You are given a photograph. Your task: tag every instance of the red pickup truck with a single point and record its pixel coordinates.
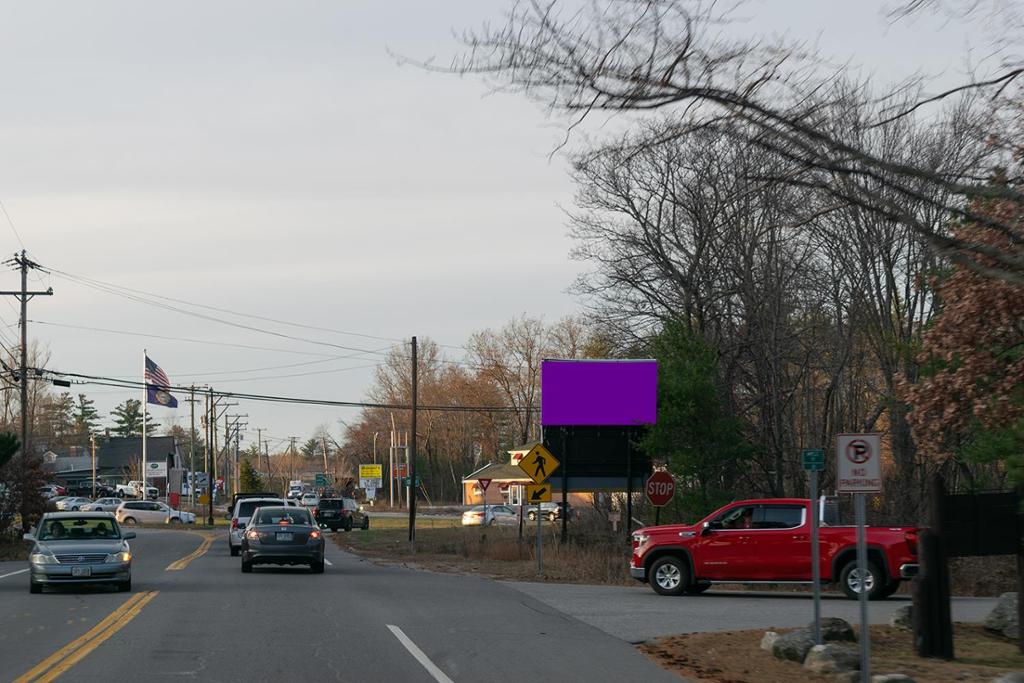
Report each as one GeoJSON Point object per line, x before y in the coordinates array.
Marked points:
{"type": "Point", "coordinates": [769, 541]}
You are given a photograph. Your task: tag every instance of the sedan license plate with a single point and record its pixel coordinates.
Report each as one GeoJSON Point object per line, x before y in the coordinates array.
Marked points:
{"type": "Point", "coordinates": [81, 571]}
{"type": "Point", "coordinates": [283, 536]}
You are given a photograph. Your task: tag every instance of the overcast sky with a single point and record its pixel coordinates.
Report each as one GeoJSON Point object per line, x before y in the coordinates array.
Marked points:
{"type": "Point", "coordinates": [272, 158]}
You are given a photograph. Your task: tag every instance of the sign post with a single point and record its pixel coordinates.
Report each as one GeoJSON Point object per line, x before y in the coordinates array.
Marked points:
{"type": "Point", "coordinates": [859, 471]}
{"type": "Point", "coordinates": [538, 464]}
{"type": "Point", "coordinates": [813, 462]}
{"type": "Point", "coordinates": [659, 489]}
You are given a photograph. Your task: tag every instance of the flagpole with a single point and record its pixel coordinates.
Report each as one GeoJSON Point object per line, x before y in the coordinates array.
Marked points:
{"type": "Point", "coordinates": [145, 400]}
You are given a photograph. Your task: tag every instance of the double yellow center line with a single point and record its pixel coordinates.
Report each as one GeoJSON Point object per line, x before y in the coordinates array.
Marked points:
{"type": "Point", "coordinates": [72, 653]}
{"type": "Point", "coordinates": [178, 565]}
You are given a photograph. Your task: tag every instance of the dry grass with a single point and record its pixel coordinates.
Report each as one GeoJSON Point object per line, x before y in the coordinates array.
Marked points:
{"type": "Point", "coordinates": [493, 551]}
{"type": "Point", "coordinates": [736, 657]}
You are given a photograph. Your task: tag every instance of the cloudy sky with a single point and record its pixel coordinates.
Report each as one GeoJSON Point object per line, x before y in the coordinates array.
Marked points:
{"type": "Point", "coordinates": [273, 158]}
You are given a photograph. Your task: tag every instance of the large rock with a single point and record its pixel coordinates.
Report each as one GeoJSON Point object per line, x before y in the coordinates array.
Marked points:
{"type": "Point", "coordinates": [834, 629]}
{"type": "Point", "coordinates": [831, 659]}
{"type": "Point", "coordinates": [891, 678]}
{"type": "Point", "coordinates": [1003, 617]}
{"type": "Point", "coordinates": [768, 640]}
{"type": "Point", "coordinates": [793, 646]}
{"type": "Point", "coordinates": [903, 618]}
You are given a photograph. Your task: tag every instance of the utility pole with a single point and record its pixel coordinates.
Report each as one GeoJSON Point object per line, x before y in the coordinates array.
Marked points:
{"type": "Point", "coordinates": [323, 443]}
{"type": "Point", "coordinates": [206, 456]}
{"type": "Point", "coordinates": [24, 264]}
{"type": "Point", "coordinates": [192, 449]}
{"type": "Point", "coordinates": [236, 426]}
{"type": "Point", "coordinates": [412, 457]}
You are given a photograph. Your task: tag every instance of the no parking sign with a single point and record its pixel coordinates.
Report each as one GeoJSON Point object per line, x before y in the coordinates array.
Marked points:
{"type": "Point", "coordinates": [859, 463]}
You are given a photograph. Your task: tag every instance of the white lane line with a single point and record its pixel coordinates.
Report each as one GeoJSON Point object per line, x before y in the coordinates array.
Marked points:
{"type": "Point", "coordinates": [431, 668]}
{"type": "Point", "coordinates": [20, 571]}
{"type": "Point", "coordinates": [328, 562]}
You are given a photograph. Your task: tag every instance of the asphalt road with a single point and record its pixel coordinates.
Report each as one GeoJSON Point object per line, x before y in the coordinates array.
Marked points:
{"type": "Point", "coordinates": [356, 622]}
{"type": "Point", "coordinates": [636, 613]}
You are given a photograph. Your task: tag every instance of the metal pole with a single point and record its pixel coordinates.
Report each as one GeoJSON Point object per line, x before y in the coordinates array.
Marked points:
{"type": "Point", "coordinates": [375, 447]}
{"type": "Point", "coordinates": [391, 470]}
{"type": "Point", "coordinates": [565, 488]}
{"type": "Point", "coordinates": [25, 450]}
{"type": "Point", "coordinates": [211, 456]}
{"type": "Point", "coordinates": [92, 441]}
{"type": "Point", "coordinates": [412, 456]}
{"type": "Point", "coordinates": [815, 557]}
{"type": "Point", "coordinates": [192, 450]}
{"type": "Point", "coordinates": [629, 487]}
{"type": "Point", "coordinates": [145, 417]}
{"type": "Point", "coordinates": [862, 594]}
{"type": "Point", "coordinates": [540, 558]}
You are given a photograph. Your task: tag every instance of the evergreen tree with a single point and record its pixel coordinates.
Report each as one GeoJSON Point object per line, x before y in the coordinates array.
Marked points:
{"type": "Point", "coordinates": [86, 418]}
{"type": "Point", "coordinates": [128, 419]}
{"type": "Point", "coordinates": [251, 481]}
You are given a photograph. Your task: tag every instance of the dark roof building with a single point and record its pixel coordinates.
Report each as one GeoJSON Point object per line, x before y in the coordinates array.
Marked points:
{"type": "Point", "coordinates": [114, 456]}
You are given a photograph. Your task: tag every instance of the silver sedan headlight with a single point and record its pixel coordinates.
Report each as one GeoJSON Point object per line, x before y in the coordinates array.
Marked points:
{"type": "Point", "coordinates": [42, 558]}
{"type": "Point", "coordinates": [123, 556]}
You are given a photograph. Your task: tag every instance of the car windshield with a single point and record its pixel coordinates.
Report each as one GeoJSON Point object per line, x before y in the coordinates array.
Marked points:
{"type": "Point", "coordinates": [247, 507]}
{"type": "Point", "coordinates": [283, 516]}
{"type": "Point", "coordinates": [78, 528]}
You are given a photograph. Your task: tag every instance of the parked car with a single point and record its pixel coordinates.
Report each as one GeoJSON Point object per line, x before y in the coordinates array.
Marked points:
{"type": "Point", "coordinates": [133, 489]}
{"type": "Point", "coordinates": [486, 515]}
{"type": "Point", "coordinates": [283, 535]}
{"type": "Point", "coordinates": [72, 503]}
{"type": "Point", "coordinates": [51, 490]}
{"type": "Point", "coordinates": [768, 540]}
{"type": "Point", "coordinates": [548, 511]}
{"type": "Point", "coordinates": [75, 548]}
{"type": "Point", "coordinates": [242, 512]}
{"type": "Point", "coordinates": [84, 488]}
{"type": "Point", "coordinates": [148, 512]}
{"type": "Point", "coordinates": [341, 513]}
{"type": "Point", "coordinates": [108, 504]}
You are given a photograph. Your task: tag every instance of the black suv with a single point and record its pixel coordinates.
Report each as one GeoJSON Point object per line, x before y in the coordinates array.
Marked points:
{"type": "Point", "coordinates": [84, 488]}
{"type": "Point", "coordinates": [340, 513]}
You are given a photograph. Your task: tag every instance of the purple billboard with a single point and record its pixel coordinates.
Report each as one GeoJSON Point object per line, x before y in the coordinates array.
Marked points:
{"type": "Point", "coordinates": [598, 392]}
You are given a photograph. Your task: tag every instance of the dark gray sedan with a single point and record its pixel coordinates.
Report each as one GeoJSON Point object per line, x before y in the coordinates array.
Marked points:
{"type": "Point", "coordinates": [79, 548]}
{"type": "Point", "coordinates": [283, 535]}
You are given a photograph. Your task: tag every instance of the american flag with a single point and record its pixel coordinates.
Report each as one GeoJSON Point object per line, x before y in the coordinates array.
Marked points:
{"type": "Point", "coordinates": [157, 385]}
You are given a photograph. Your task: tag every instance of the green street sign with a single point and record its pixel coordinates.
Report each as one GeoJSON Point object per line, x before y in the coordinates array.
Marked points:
{"type": "Point", "coordinates": [814, 459]}
{"type": "Point", "coordinates": [321, 480]}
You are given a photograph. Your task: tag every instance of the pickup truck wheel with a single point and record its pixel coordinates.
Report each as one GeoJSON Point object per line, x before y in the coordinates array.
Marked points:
{"type": "Point", "coordinates": [850, 581]}
{"type": "Point", "coordinates": [669, 576]}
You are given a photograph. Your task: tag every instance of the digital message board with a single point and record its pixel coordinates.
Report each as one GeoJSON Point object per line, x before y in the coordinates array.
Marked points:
{"type": "Point", "coordinates": [598, 392]}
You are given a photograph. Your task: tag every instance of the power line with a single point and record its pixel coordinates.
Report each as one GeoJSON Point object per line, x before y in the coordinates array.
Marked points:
{"type": "Point", "coordinates": [11, 223]}
{"type": "Point", "coordinates": [293, 400]}
{"type": "Point", "coordinates": [196, 341]}
{"type": "Point", "coordinates": [139, 296]}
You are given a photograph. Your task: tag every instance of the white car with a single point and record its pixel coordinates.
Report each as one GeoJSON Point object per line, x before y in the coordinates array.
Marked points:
{"type": "Point", "coordinates": [148, 512]}
{"type": "Point", "coordinates": [103, 505]}
{"type": "Point", "coordinates": [309, 500]}
{"type": "Point", "coordinates": [72, 503]}
{"type": "Point", "coordinates": [486, 515]}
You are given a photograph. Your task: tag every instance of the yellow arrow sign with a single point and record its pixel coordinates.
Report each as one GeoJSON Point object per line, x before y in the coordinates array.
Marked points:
{"type": "Point", "coordinates": [538, 493]}
{"type": "Point", "coordinates": [539, 464]}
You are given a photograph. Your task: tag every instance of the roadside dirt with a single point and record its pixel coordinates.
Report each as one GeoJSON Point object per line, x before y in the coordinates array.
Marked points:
{"type": "Point", "coordinates": [736, 657]}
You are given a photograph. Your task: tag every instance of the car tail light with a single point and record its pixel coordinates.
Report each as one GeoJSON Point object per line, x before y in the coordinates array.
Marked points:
{"type": "Point", "coordinates": [315, 511]}
{"type": "Point", "coordinates": [911, 537]}
{"type": "Point", "coordinates": [234, 523]}
{"type": "Point", "coordinates": [252, 535]}
{"type": "Point", "coordinates": [314, 534]}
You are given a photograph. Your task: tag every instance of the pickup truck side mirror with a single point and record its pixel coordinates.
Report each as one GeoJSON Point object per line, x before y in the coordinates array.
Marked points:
{"type": "Point", "coordinates": [708, 527]}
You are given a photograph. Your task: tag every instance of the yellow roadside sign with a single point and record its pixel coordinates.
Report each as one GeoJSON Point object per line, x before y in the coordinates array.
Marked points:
{"type": "Point", "coordinates": [538, 493]}
{"type": "Point", "coordinates": [539, 464]}
{"type": "Point", "coordinates": [371, 471]}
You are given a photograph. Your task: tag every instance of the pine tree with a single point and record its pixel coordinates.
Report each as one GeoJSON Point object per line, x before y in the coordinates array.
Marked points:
{"type": "Point", "coordinates": [86, 418]}
{"type": "Point", "coordinates": [251, 481]}
{"type": "Point", "coordinates": [128, 419]}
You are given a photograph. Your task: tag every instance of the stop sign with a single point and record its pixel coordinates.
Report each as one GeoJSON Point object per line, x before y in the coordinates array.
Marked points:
{"type": "Point", "coordinates": [660, 488]}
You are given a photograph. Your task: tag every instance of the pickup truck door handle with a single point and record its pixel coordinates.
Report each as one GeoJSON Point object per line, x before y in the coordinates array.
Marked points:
{"type": "Point", "coordinates": [800, 537]}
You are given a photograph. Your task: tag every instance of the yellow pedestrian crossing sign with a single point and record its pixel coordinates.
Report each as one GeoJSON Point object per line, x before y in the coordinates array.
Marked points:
{"type": "Point", "coordinates": [539, 464]}
{"type": "Point", "coordinates": [538, 493]}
